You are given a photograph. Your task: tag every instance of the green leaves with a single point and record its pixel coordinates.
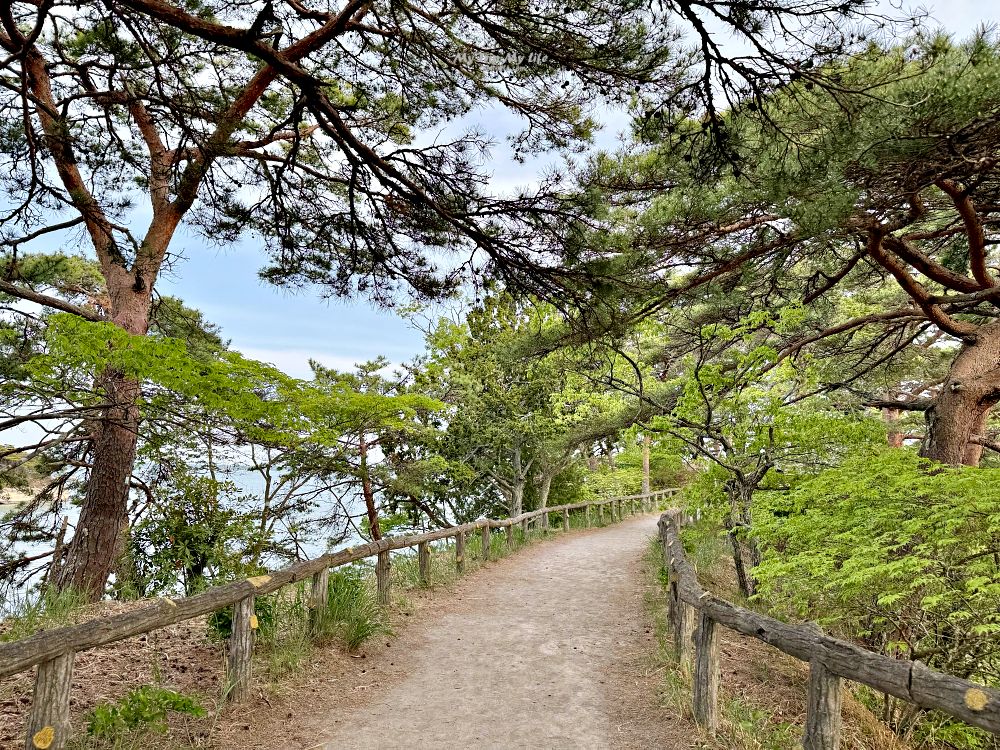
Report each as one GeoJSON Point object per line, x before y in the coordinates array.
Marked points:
{"type": "Point", "coordinates": [146, 707]}
{"type": "Point", "coordinates": [891, 545]}
{"type": "Point", "coordinates": [257, 396]}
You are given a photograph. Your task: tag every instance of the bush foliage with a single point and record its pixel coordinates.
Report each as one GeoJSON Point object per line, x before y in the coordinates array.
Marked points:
{"type": "Point", "coordinates": [900, 553]}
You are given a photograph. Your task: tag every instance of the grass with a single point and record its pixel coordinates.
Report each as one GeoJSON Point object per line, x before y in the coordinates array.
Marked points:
{"type": "Point", "coordinates": [144, 710]}
{"type": "Point", "coordinates": [744, 726]}
{"type": "Point", "coordinates": [351, 617]}
{"type": "Point", "coordinates": [352, 613]}
{"type": "Point", "coordinates": [747, 727]}
{"type": "Point", "coordinates": [43, 610]}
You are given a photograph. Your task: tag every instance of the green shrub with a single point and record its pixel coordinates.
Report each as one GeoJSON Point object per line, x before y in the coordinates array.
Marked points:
{"type": "Point", "coordinates": [146, 707]}
{"type": "Point", "coordinates": [895, 551]}
{"type": "Point", "coordinates": [751, 728]}
{"type": "Point", "coordinates": [283, 633]}
{"type": "Point", "coordinates": [196, 535]}
{"type": "Point", "coordinates": [220, 622]}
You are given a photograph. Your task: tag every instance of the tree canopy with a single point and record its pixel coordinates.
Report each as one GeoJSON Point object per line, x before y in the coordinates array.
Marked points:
{"type": "Point", "coordinates": [780, 292]}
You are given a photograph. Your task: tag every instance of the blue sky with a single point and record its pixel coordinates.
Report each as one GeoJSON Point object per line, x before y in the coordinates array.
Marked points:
{"type": "Point", "coordinates": [287, 329]}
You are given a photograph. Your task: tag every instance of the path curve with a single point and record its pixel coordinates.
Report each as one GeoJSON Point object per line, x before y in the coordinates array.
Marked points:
{"type": "Point", "coordinates": [548, 648]}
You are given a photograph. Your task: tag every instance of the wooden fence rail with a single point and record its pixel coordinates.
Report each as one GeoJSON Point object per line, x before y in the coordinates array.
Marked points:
{"type": "Point", "coordinates": [830, 660]}
{"type": "Point", "coordinates": [53, 650]}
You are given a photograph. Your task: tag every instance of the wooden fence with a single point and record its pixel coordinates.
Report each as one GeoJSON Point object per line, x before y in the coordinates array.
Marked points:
{"type": "Point", "coordinates": [830, 660]}
{"type": "Point", "coordinates": [53, 651]}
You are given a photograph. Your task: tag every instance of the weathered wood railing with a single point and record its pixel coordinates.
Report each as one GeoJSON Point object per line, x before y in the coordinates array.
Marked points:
{"type": "Point", "coordinates": [830, 660]}
{"type": "Point", "coordinates": [53, 651]}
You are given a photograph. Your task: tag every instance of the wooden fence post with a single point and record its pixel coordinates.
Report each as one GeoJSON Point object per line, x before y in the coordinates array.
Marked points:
{"type": "Point", "coordinates": [586, 515]}
{"type": "Point", "coordinates": [682, 616]}
{"type": "Point", "coordinates": [545, 522]}
{"type": "Point", "coordinates": [318, 597]}
{"type": "Point", "coordinates": [524, 529]}
{"type": "Point", "coordinates": [706, 674]}
{"type": "Point", "coordinates": [485, 531]}
{"type": "Point", "coordinates": [48, 724]}
{"type": "Point", "coordinates": [565, 520]}
{"type": "Point", "coordinates": [509, 530]}
{"type": "Point", "coordinates": [823, 709]}
{"type": "Point", "coordinates": [666, 567]}
{"type": "Point", "coordinates": [239, 664]}
{"type": "Point", "coordinates": [424, 563]}
{"type": "Point", "coordinates": [383, 567]}
{"type": "Point", "coordinates": [600, 514]}
{"type": "Point", "coordinates": [460, 552]}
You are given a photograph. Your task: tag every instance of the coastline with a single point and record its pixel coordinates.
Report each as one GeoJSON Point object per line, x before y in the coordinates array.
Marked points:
{"type": "Point", "coordinates": [11, 499]}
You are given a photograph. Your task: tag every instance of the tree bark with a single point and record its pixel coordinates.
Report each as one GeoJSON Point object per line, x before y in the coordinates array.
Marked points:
{"type": "Point", "coordinates": [893, 433]}
{"type": "Point", "coordinates": [544, 487]}
{"type": "Point", "coordinates": [97, 540]}
{"type": "Point", "coordinates": [963, 407]}
{"type": "Point", "coordinates": [645, 464]}
{"type": "Point", "coordinates": [367, 490]}
{"type": "Point", "coordinates": [517, 498]}
{"type": "Point", "coordinates": [746, 554]}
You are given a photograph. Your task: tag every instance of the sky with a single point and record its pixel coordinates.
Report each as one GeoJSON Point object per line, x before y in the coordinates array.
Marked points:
{"type": "Point", "coordinates": [287, 329]}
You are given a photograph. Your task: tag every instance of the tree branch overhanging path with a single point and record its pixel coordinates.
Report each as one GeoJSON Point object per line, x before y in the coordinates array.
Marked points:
{"type": "Point", "coordinates": [299, 123]}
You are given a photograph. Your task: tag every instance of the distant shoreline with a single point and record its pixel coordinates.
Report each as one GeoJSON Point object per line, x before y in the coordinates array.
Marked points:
{"type": "Point", "coordinates": [11, 499]}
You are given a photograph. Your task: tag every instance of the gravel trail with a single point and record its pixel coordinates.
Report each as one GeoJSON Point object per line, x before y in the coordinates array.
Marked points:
{"type": "Point", "coordinates": [548, 648]}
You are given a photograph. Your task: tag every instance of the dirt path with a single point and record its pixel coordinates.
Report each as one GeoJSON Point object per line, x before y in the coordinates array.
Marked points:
{"type": "Point", "coordinates": [546, 649]}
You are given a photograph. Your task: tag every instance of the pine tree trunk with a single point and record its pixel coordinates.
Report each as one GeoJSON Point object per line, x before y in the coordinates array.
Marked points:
{"type": "Point", "coordinates": [962, 409]}
{"type": "Point", "coordinates": [367, 491]}
{"type": "Point", "coordinates": [97, 540]}
{"type": "Point", "coordinates": [894, 435]}
{"type": "Point", "coordinates": [517, 498]}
